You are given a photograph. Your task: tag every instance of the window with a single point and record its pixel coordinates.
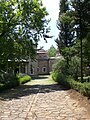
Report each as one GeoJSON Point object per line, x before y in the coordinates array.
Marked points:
{"type": "Point", "coordinates": [44, 69]}
{"type": "Point", "coordinates": [37, 69]}
{"type": "Point", "coordinates": [23, 68]}
{"type": "Point", "coordinates": [31, 70]}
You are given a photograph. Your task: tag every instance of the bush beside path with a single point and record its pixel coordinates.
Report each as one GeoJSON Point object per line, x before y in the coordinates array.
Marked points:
{"type": "Point", "coordinates": [43, 99]}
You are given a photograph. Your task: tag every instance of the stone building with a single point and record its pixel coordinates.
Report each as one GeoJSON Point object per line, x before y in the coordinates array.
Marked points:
{"type": "Point", "coordinates": [40, 66]}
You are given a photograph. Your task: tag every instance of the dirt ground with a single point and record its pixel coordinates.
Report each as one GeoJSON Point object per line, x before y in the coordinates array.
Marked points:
{"type": "Point", "coordinates": [82, 100]}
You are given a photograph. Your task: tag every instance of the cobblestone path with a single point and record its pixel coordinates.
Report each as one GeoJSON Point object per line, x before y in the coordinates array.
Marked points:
{"type": "Point", "coordinates": [41, 99]}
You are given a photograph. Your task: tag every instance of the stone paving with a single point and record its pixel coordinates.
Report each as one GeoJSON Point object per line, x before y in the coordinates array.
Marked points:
{"type": "Point", "coordinates": [40, 100]}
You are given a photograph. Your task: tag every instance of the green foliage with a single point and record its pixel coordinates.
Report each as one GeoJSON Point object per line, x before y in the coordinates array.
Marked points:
{"type": "Point", "coordinates": [59, 77]}
{"type": "Point", "coordinates": [85, 79]}
{"type": "Point", "coordinates": [52, 51]}
{"type": "Point", "coordinates": [74, 36]}
{"type": "Point", "coordinates": [61, 67]}
{"type": "Point", "coordinates": [81, 9]}
{"type": "Point", "coordinates": [67, 81]}
{"type": "Point", "coordinates": [74, 67]}
{"type": "Point", "coordinates": [68, 76]}
{"type": "Point", "coordinates": [66, 18]}
{"type": "Point", "coordinates": [83, 88]}
{"type": "Point", "coordinates": [13, 81]}
{"type": "Point", "coordinates": [24, 79]}
{"type": "Point", "coordinates": [2, 86]}
{"type": "Point", "coordinates": [9, 82]}
{"type": "Point", "coordinates": [22, 24]}
{"type": "Point", "coordinates": [73, 43]}
{"type": "Point", "coordinates": [65, 24]}
{"type": "Point", "coordinates": [55, 76]}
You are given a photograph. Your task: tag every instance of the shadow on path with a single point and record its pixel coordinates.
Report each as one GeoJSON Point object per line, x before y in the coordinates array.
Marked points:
{"type": "Point", "coordinates": [36, 87]}
{"type": "Point", "coordinates": [26, 90]}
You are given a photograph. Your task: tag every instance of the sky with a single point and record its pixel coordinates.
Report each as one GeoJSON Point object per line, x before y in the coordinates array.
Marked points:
{"type": "Point", "coordinates": [52, 7]}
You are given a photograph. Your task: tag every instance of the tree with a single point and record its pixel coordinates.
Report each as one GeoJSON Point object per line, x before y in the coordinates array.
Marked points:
{"type": "Point", "coordinates": [83, 25]}
{"type": "Point", "coordinates": [52, 51]}
{"type": "Point", "coordinates": [74, 26]}
{"type": "Point", "coordinates": [22, 23]}
{"type": "Point", "coordinates": [65, 24]}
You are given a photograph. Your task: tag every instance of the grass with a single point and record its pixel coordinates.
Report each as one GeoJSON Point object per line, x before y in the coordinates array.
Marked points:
{"type": "Point", "coordinates": [42, 81]}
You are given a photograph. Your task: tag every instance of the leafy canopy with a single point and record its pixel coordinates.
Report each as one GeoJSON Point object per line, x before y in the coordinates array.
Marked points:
{"type": "Point", "coordinates": [52, 51]}
{"type": "Point", "coordinates": [22, 23]}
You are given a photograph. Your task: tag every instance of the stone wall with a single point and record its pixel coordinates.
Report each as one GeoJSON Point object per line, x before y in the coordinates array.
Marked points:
{"type": "Point", "coordinates": [43, 66]}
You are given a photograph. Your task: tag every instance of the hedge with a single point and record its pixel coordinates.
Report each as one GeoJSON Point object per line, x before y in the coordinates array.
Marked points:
{"type": "Point", "coordinates": [24, 79]}
{"type": "Point", "coordinates": [67, 81]}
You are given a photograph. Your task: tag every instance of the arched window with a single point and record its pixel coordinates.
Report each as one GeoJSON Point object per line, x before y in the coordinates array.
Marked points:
{"type": "Point", "coordinates": [44, 69]}
{"type": "Point", "coordinates": [31, 70]}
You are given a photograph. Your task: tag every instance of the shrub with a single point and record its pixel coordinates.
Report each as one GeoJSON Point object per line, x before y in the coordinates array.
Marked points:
{"type": "Point", "coordinates": [86, 89]}
{"type": "Point", "coordinates": [74, 67]}
{"type": "Point", "coordinates": [9, 82]}
{"type": "Point", "coordinates": [24, 79]}
{"type": "Point", "coordinates": [85, 79]}
{"type": "Point", "coordinates": [1, 86]}
{"type": "Point", "coordinates": [13, 81]}
{"type": "Point", "coordinates": [21, 75]}
{"type": "Point", "coordinates": [55, 76]}
{"type": "Point", "coordinates": [60, 78]}
{"type": "Point", "coordinates": [68, 81]}
{"type": "Point", "coordinates": [60, 66]}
